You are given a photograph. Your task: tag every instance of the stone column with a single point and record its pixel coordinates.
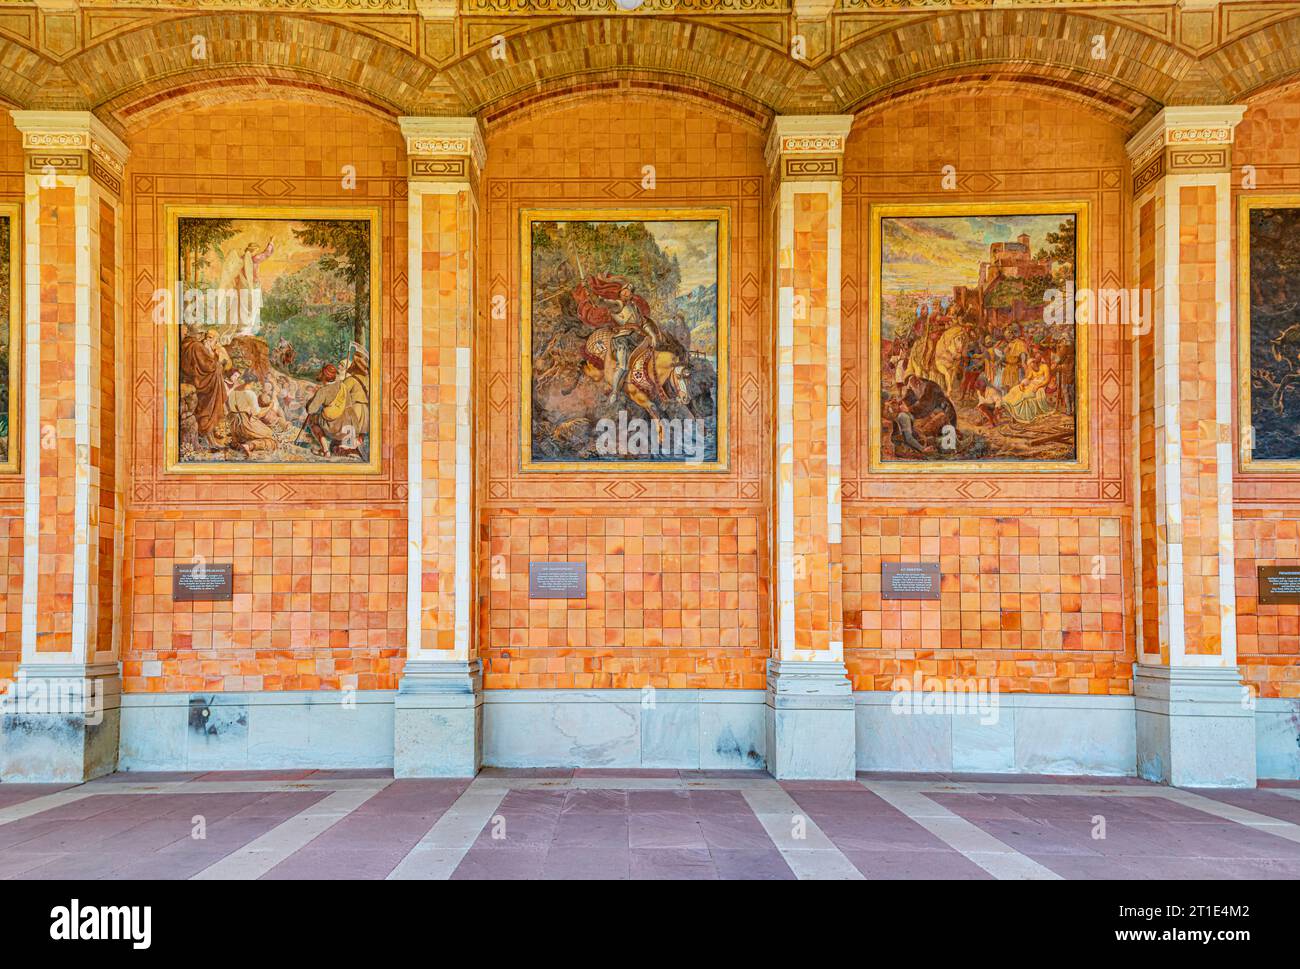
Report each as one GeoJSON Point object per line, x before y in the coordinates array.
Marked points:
{"type": "Point", "coordinates": [810, 729]}
{"type": "Point", "coordinates": [1195, 724]}
{"type": "Point", "coordinates": [62, 717]}
{"type": "Point", "coordinates": [439, 712]}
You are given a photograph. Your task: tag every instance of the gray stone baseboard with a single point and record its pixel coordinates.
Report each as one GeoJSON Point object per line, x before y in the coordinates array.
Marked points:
{"type": "Point", "coordinates": [323, 730]}
{"type": "Point", "coordinates": [1277, 738]}
{"type": "Point", "coordinates": [682, 729]}
{"type": "Point", "coordinates": [998, 733]}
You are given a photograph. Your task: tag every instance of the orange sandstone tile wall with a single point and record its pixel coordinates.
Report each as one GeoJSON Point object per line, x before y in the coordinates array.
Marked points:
{"type": "Point", "coordinates": [677, 562]}
{"type": "Point", "coordinates": [58, 463]}
{"type": "Point", "coordinates": [319, 561]}
{"type": "Point", "coordinates": [1036, 592]}
{"type": "Point", "coordinates": [1267, 513]}
{"type": "Point", "coordinates": [11, 486]}
{"type": "Point", "coordinates": [1152, 642]}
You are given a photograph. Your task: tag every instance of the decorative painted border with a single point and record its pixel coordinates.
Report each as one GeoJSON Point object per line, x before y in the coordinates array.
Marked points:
{"type": "Point", "coordinates": [1082, 255]}
{"type": "Point", "coordinates": [1245, 204]}
{"type": "Point", "coordinates": [171, 361]}
{"type": "Point", "coordinates": [526, 218]}
{"type": "Point", "coordinates": [13, 211]}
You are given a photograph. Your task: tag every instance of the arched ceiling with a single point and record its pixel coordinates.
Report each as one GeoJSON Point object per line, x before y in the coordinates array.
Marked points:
{"type": "Point", "coordinates": [1123, 58]}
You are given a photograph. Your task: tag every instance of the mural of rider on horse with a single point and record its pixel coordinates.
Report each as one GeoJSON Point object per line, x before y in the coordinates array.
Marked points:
{"type": "Point", "coordinates": [627, 340]}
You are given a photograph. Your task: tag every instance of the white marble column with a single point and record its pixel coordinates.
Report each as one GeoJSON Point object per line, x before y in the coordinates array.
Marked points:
{"type": "Point", "coordinates": [810, 719]}
{"type": "Point", "coordinates": [1195, 721]}
{"type": "Point", "coordinates": [61, 720]}
{"type": "Point", "coordinates": [439, 713]}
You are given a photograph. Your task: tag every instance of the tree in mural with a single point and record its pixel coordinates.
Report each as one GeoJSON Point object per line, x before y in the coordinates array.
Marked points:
{"type": "Point", "coordinates": [197, 238]}
{"type": "Point", "coordinates": [348, 243]}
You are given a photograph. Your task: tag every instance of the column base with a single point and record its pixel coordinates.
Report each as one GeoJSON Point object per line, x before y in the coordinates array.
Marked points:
{"type": "Point", "coordinates": [810, 721]}
{"type": "Point", "coordinates": [438, 719]}
{"type": "Point", "coordinates": [1194, 726]}
{"type": "Point", "coordinates": [59, 724]}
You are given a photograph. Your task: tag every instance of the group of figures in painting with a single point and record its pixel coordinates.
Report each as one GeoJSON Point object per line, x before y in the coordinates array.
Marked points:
{"type": "Point", "coordinates": [626, 333]}
{"type": "Point", "coordinates": [274, 336]}
{"type": "Point", "coordinates": [974, 367]}
{"type": "Point", "coordinates": [625, 326]}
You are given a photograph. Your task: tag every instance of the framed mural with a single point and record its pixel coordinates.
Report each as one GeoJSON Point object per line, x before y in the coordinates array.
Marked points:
{"type": "Point", "coordinates": [11, 329]}
{"type": "Point", "coordinates": [978, 353]}
{"type": "Point", "coordinates": [624, 318]}
{"type": "Point", "coordinates": [1268, 332]}
{"type": "Point", "coordinates": [273, 340]}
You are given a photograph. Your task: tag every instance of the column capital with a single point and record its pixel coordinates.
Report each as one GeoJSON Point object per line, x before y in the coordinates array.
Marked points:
{"type": "Point", "coordinates": [1195, 138]}
{"type": "Point", "coordinates": [74, 131]}
{"type": "Point", "coordinates": [807, 146]}
{"type": "Point", "coordinates": [72, 143]}
{"type": "Point", "coordinates": [443, 149]}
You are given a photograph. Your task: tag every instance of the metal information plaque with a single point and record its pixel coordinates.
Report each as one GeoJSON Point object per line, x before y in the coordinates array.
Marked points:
{"type": "Point", "coordinates": [909, 580]}
{"type": "Point", "coordinates": [1278, 584]}
{"type": "Point", "coordinates": [203, 583]}
{"type": "Point", "coordinates": [557, 580]}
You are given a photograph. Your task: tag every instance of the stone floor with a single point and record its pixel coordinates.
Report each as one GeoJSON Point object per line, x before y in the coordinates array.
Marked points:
{"type": "Point", "coordinates": [567, 824]}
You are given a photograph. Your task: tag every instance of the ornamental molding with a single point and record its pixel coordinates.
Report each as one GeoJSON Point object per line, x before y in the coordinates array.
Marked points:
{"type": "Point", "coordinates": [444, 138]}
{"type": "Point", "coordinates": [71, 131]}
{"type": "Point", "coordinates": [807, 134]}
{"type": "Point", "coordinates": [1184, 126]}
{"type": "Point", "coordinates": [307, 6]}
{"type": "Point", "coordinates": [607, 7]}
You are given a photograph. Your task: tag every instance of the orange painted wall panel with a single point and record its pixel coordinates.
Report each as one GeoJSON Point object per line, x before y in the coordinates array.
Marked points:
{"type": "Point", "coordinates": [677, 563]}
{"type": "Point", "coordinates": [319, 561]}
{"type": "Point", "coordinates": [1036, 591]}
{"type": "Point", "coordinates": [1267, 513]}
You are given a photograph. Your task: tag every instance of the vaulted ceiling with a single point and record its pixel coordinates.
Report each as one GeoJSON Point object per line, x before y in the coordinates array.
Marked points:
{"type": "Point", "coordinates": [1123, 58]}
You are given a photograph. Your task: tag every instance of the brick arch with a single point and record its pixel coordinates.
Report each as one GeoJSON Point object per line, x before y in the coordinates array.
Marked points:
{"type": "Point", "coordinates": [1258, 62]}
{"type": "Point", "coordinates": [145, 64]}
{"type": "Point", "coordinates": [1026, 80]}
{"type": "Point", "coordinates": [1048, 48]}
{"type": "Point", "coordinates": [564, 93]}
{"type": "Point", "coordinates": [210, 89]}
{"type": "Point", "coordinates": [687, 55]}
{"type": "Point", "coordinates": [23, 74]}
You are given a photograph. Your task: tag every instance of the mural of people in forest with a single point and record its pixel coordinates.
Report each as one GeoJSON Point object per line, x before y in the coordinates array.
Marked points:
{"type": "Point", "coordinates": [626, 325]}
{"type": "Point", "coordinates": [1269, 330]}
{"type": "Point", "coordinates": [973, 366]}
{"type": "Point", "coordinates": [276, 319]}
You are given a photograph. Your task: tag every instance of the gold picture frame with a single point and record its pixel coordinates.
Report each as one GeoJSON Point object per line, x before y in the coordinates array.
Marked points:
{"type": "Point", "coordinates": [1248, 462]}
{"type": "Point", "coordinates": [1080, 211]}
{"type": "Point", "coordinates": [13, 212]}
{"type": "Point", "coordinates": [300, 213]}
{"type": "Point", "coordinates": [710, 214]}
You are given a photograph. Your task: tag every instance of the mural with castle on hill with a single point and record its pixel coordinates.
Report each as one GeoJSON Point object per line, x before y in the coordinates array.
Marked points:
{"type": "Point", "coordinates": [979, 358]}
{"type": "Point", "coordinates": [272, 353]}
